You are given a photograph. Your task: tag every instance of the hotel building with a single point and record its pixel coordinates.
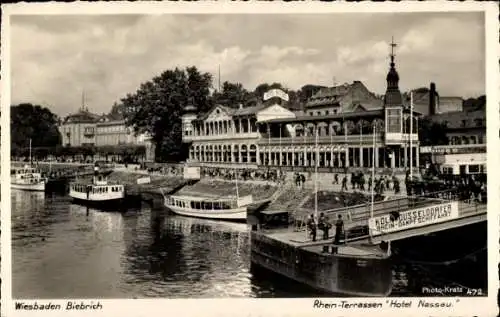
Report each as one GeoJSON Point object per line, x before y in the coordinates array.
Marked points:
{"type": "Point", "coordinates": [343, 127]}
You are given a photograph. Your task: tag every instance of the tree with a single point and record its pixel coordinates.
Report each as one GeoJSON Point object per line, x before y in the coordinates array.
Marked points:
{"type": "Point", "coordinates": [158, 105]}
{"type": "Point", "coordinates": [33, 122]}
{"type": "Point", "coordinates": [261, 89]}
{"type": "Point", "coordinates": [431, 133]}
{"type": "Point", "coordinates": [231, 95]}
{"type": "Point", "coordinates": [473, 104]}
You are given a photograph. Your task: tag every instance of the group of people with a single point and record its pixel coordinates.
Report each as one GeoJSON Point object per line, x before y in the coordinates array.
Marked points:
{"type": "Point", "coordinates": [273, 175]}
{"type": "Point", "coordinates": [324, 225]}
{"type": "Point", "coordinates": [358, 181]}
{"type": "Point", "coordinates": [466, 187]}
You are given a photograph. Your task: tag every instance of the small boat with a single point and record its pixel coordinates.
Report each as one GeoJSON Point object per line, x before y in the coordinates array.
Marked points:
{"type": "Point", "coordinates": [98, 193]}
{"type": "Point", "coordinates": [27, 178]}
{"type": "Point", "coordinates": [209, 208]}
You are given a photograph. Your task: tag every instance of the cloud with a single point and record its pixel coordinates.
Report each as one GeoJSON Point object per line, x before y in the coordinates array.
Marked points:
{"type": "Point", "coordinates": [54, 58]}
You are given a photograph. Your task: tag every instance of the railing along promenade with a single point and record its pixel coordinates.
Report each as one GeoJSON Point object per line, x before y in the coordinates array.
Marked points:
{"type": "Point", "coordinates": [357, 217]}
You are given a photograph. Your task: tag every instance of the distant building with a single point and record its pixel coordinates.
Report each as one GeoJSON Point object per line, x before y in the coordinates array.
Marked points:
{"type": "Point", "coordinates": [426, 105]}
{"type": "Point", "coordinates": [87, 129]}
{"type": "Point", "coordinates": [466, 149]}
{"type": "Point", "coordinates": [79, 129]}
{"type": "Point", "coordinates": [111, 130]}
{"type": "Point", "coordinates": [462, 127]}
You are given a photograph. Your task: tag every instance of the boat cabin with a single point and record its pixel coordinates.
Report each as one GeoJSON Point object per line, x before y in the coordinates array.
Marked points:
{"type": "Point", "coordinates": [200, 203]}
{"type": "Point", "coordinates": [24, 171]}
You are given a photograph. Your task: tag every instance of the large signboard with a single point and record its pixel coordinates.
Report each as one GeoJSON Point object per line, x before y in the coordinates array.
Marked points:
{"type": "Point", "coordinates": [414, 218]}
{"type": "Point", "coordinates": [276, 93]}
{"type": "Point", "coordinates": [192, 172]}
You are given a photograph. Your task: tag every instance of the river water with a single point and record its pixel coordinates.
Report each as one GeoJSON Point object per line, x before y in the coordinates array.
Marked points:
{"type": "Point", "coordinates": [62, 250]}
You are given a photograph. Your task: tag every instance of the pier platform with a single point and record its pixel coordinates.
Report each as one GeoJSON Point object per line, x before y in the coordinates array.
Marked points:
{"type": "Point", "coordinates": [399, 219]}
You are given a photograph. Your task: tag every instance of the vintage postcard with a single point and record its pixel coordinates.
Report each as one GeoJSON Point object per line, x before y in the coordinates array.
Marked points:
{"type": "Point", "coordinates": [253, 159]}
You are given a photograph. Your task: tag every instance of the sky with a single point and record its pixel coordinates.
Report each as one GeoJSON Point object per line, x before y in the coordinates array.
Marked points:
{"type": "Point", "coordinates": [55, 58]}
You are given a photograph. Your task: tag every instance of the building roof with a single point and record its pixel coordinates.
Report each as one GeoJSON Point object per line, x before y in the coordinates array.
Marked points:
{"type": "Point", "coordinates": [235, 112]}
{"type": "Point", "coordinates": [341, 93]}
{"type": "Point", "coordinates": [347, 115]}
{"type": "Point", "coordinates": [82, 116]}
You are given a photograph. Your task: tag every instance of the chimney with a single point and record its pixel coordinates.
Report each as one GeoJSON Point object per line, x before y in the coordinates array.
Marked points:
{"type": "Point", "coordinates": [432, 99]}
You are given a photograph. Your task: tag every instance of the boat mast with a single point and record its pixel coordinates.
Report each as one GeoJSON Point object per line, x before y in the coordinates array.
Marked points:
{"type": "Point", "coordinates": [236, 179]}
{"type": "Point", "coordinates": [372, 194]}
{"type": "Point", "coordinates": [30, 152]}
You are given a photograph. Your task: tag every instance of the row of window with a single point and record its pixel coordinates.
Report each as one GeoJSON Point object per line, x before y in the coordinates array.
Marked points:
{"type": "Point", "coordinates": [326, 112]}
{"type": "Point", "coordinates": [97, 190]}
{"type": "Point", "coordinates": [200, 205]}
{"type": "Point", "coordinates": [465, 169]}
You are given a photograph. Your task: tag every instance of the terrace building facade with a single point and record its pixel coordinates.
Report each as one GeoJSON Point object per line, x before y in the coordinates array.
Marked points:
{"type": "Point", "coordinates": [343, 127]}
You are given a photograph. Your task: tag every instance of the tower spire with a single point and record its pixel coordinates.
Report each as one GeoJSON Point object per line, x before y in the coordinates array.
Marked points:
{"type": "Point", "coordinates": [392, 94]}
{"type": "Point", "coordinates": [393, 45]}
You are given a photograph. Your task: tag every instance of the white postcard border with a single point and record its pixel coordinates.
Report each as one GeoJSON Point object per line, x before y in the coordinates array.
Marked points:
{"type": "Point", "coordinates": [263, 307]}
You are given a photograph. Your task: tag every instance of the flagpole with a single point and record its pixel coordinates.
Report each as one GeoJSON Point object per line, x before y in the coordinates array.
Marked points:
{"type": "Point", "coordinates": [280, 152]}
{"type": "Point", "coordinates": [360, 142]}
{"type": "Point", "coordinates": [411, 135]}
{"type": "Point", "coordinates": [372, 193]}
{"type": "Point", "coordinates": [30, 153]}
{"type": "Point", "coordinates": [219, 78]}
{"type": "Point", "coordinates": [316, 177]}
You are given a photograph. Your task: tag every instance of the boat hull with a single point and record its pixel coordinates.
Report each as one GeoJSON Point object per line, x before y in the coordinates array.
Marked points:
{"type": "Point", "coordinates": [325, 273]}
{"type": "Point", "coordinates": [237, 214]}
{"type": "Point", "coordinates": [120, 204]}
{"type": "Point", "coordinates": [38, 187]}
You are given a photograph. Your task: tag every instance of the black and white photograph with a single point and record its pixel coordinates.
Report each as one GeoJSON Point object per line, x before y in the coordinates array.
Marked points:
{"type": "Point", "coordinates": [208, 155]}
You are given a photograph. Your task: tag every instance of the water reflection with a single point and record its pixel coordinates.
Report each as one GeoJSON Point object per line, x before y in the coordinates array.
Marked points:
{"type": "Point", "coordinates": [66, 250]}
{"type": "Point", "coordinates": [62, 250]}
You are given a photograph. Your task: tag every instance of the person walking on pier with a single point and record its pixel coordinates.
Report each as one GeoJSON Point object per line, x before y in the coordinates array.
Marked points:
{"type": "Point", "coordinates": [339, 229]}
{"type": "Point", "coordinates": [311, 225]}
{"type": "Point", "coordinates": [324, 225]}
{"type": "Point", "coordinates": [370, 181]}
{"type": "Point", "coordinates": [336, 179]}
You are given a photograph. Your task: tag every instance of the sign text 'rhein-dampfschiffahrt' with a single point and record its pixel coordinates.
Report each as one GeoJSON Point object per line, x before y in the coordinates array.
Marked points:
{"type": "Point", "coordinates": [414, 218]}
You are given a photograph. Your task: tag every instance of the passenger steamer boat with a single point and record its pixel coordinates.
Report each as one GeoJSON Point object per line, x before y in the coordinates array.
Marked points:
{"type": "Point", "coordinates": [209, 208]}
{"type": "Point", "coordinates": [27, 178]}
{"type": "Point", "coordinates": [222, 208]}
{"type": "Point", "coordinates": [99, 192]}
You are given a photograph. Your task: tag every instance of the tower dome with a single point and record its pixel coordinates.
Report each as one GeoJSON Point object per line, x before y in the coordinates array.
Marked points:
{"type": "Point", "coordinates": [189, 107]}
{"type": "Point", "coordinates": [392, 94]}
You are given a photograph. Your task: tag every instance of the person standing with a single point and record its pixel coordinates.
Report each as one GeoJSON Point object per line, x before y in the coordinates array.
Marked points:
{"type": "Point", "coordinates": [344, 183]}
{"type": "Point", "coordinates": [324, 225]}
{"type": "Point", "coordinates": [311, 225]}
